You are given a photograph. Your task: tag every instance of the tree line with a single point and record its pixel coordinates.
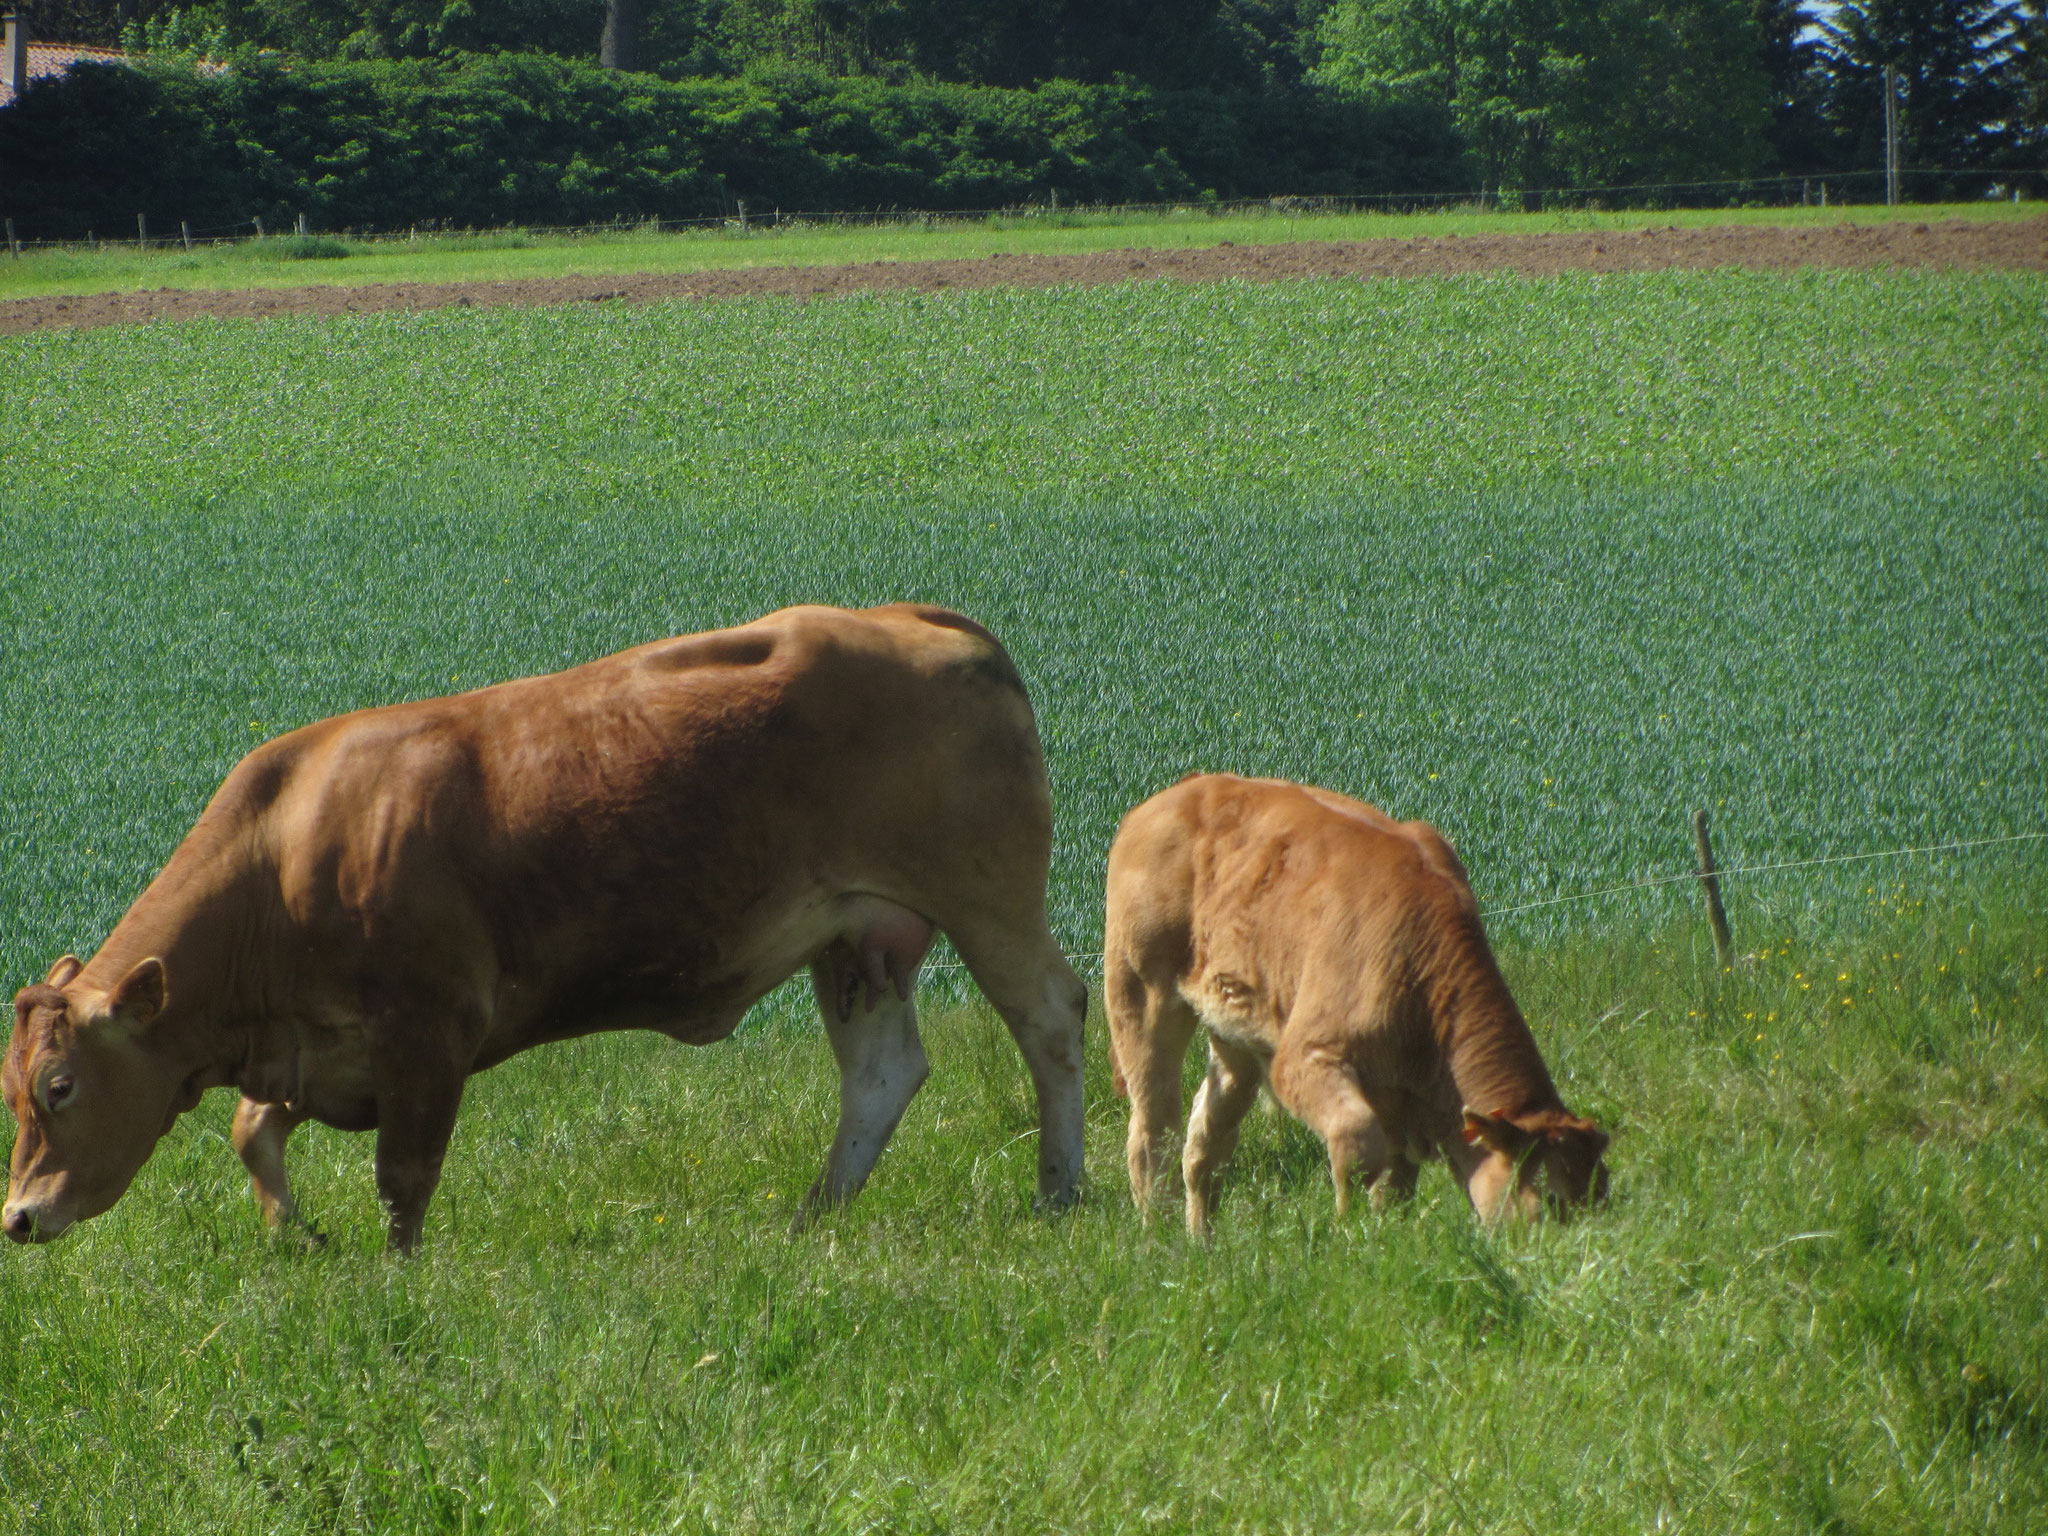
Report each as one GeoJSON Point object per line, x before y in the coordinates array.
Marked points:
{"type": "Point", "coordinates": [1537, 93]}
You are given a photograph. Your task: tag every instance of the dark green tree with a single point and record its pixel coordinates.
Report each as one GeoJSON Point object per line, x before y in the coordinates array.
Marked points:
{"type": "Point", "coordinates": [98, 22]}
{"type": "Point", "coordinates": [1959, 89]}
{"type": "Point", "coordinates": [990, 42]}
{"type": "Point", "coordinates": [1798, 135]}
{"type": "Point", "coordinates": [1568, 92]}
{"type": "Point", "coordinates": [373, 29]}
{"type": "Point", "coordinates": [1270, 43]}
{"type": "Point", "coordinates": [2029, 146]}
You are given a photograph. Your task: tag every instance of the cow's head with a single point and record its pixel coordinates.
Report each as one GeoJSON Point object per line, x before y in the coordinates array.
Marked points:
{"type": "Point", "coordinates": [1544, 1159]}
{"type": "Point", "coordinates": [90, 1096]}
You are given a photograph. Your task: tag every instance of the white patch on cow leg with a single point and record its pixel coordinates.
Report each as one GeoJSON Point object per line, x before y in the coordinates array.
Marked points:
{"type": "Point", "coordinates": [259, 1134]}
{"type": "Point", "coordinates": [1226, 1094]}
{"type": "Point", "coordinates": [881, 1066]}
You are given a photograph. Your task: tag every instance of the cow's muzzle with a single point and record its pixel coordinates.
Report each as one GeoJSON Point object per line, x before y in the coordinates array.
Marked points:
{"type": "Point", "coordinates": [25, 1225]}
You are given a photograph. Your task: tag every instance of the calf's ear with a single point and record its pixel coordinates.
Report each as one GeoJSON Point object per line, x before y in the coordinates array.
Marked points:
{"type": "Point", "coordinates": [1498, 1132]}
{"type": "Point", "coordinates": [62, 972]}
{"type": "Point", "coordinates": [139, 997]}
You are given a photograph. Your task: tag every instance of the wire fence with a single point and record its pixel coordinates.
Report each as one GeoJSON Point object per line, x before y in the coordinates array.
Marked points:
{"type": "Point", "coordinates": [743, 216]}
{"type": "Point", "coordinates": [1094, 958]}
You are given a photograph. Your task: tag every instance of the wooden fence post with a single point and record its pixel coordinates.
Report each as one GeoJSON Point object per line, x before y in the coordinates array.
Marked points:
{"type": "Point", "coordinates": [185, 229]}
{"type": "Point", "coordinates": [142, 231]}
{"type": "Point", "coordinates": [302, 225]}
{"type": "Point", "coordinates": [13, 244]}
{"type": "Point", "coordinates": [1717, 915]}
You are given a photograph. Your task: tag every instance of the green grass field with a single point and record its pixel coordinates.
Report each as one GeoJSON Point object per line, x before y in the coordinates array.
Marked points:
{"type": "Point", "coordinates": [289, 262]}
{"type": "Point", "coordinates": [1546, 562]}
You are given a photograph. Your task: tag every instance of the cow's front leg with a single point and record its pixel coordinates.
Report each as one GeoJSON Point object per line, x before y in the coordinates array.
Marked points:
{"type": "Point", "coordinates": [259, 1134]}
{"type": "Point", "coordinates": [1313, 1083]}
{"type": "Point", "coordinates": [881, 1066]}
{"type": "Point", "coordinates": [418, 1094]}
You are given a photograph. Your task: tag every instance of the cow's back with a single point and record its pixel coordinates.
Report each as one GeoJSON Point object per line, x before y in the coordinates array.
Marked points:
{"type": "Point", "coordinates": [1260, 897]}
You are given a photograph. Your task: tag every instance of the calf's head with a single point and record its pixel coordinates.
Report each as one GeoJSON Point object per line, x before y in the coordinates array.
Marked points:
{"type": "Point", "coordinates": [90, 1095]}
{"type": "Point", "coordinates": [1542, 1160]}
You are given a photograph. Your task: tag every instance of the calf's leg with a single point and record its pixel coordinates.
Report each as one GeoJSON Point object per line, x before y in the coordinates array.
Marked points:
{"type": "Point", "coordinates": [259, 1134]}
{"type": "Point", "coordinates": [1230, 1089]}
{"type": "Point", "coordinates": [1044, 1005]}
{"type": "Point", "coordinates": [1150, 1026]}
{"type": "Point", "coordinates": [1319, 1090]}
{"type": "Point", "coordinates": [881, 1066]}
{"type": "Point", "coordinates": [1396, 1184]}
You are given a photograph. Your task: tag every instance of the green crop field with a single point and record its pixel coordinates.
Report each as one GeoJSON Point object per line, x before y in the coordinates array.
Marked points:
{"type": "Point", "coordinates": [1548, 563]}
{"type": "Point", "coordinates": [501, 255]}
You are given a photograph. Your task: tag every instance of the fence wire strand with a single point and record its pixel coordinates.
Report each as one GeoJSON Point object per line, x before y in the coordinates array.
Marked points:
{"type": "Point", "coordinates": [1760, 869]}
{"type": "Point", "coordinates": [1647, 196]}
{"type": "Point", "coordinates": [1691, 874]}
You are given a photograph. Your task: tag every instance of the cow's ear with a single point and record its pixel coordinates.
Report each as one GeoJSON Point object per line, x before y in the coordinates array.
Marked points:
{"type": "Point", "coordinates": [140, 995]}
{"type": "Point", "coordinates": [1498, 1132]}
{"type": "Point", "coordinates": [63, 971]}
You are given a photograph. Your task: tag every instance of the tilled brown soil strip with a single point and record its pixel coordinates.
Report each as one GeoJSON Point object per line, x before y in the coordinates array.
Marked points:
{"type": "Point", "coordinates": [2014, 245]}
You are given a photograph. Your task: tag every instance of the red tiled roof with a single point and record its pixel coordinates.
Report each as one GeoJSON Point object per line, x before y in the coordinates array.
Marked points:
{"type": "Point", "coordinates": [55, 58]}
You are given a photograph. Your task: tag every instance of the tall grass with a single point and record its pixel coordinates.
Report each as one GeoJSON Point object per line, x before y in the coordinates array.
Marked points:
{"type": "Point", "coordinates": [1816, 1302]}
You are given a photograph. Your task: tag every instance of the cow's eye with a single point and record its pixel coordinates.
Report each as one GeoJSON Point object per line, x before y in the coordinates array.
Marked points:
{"type": "Point", "coordinates": [58, 1091]}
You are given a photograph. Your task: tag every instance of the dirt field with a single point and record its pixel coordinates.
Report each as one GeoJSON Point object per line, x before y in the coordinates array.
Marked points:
{"type": "Point", "coordinates": [1955, 243]}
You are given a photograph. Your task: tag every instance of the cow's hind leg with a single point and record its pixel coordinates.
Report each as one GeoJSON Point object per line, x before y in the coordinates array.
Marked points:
{"type": "Point", "coordinates": [881, 1066]}
{"type": "Point", "coordinates": [1149, 1030]}
{"type": "Point", "coordinates": [260, 1132]}
{"type": "Point", "coordinates": [1044, 1005]}
{"type": "Point", "coordinates": [1229, 1090]}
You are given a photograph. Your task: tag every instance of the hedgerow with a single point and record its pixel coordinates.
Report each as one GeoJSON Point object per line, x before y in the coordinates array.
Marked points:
{"type": "Point", "coordinates": [531, 139]}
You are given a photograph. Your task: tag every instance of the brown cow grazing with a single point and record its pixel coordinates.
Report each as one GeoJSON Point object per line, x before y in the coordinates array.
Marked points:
{"type": "Point", "coordinates": [376, 906]}
{"type": "Point", "coordinates": [1336, 954]}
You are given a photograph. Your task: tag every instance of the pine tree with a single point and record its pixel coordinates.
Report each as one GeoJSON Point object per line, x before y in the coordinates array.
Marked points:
{"type": "Point", "coordinates": [2029, 149]}
{"type": "Point", "coordinates": [1798, 134]}
{"type": "Point", "coordinates": [1957, 83]}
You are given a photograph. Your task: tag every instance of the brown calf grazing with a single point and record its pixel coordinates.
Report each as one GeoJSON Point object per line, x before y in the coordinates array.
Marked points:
{"type": "Point", "coordinates": [379, 905]}
{"type": "Point", "coordinates": [1338, 955]}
